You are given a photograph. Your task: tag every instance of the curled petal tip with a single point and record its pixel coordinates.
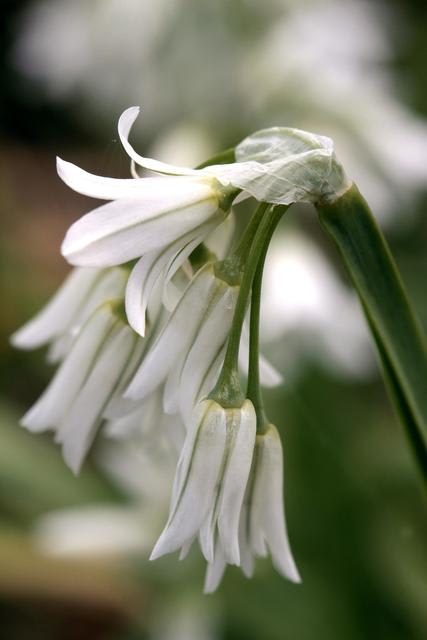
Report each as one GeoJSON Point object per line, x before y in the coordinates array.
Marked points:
{"type": "Point", "coordinates": [157, 552]}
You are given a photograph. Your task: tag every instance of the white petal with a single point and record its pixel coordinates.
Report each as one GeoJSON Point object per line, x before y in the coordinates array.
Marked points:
{"type": "Point", "coordinates": [182, 252]}
{"type": "Point", "coordinates": [269, 486]}
{"type": "Point", "coordinates": [208, 343]}
{"type": "Point", "coordinates": [198, 482]}
{"type": "Point", "coordinates": [79, 427]}
{"type": "Point", "coordinates": [172, 387]}
{"type": "Point", "coordinates": [174, 431]}
{"type": "Point", "coordinates": [207, 534]}
{"type": "Point", "coordinates": [268, 374]}
{"type": "Point", "coordinates": [95, 186]}
{"type": "Point", "coordinates": [125, 229]}
{"type": "Point", "coordinates": [59, 348]}
{"type": "Point", "coordinates": [241, 425]}
{"type": "Point", "coordinates": [257, 497]}
{"type": "Point", "coordinates": [163, 263]}
{"type": "Point", "coordinates": [109, 286]}
{"type": "Point", "coordinates": [177, 335]}
{"type": "Point", "coordinates": [117, 405]}
{"type": "Point", "coordinates": [126, 121]}
{"type": "Point", "coordinates": [185, 549]}
{"type": "Point", "coordinates": [215, 571]}
{"type": "Point", "coordinates": [49, 410]}
{"type": "Point", "coordinates": [210, 379]}
{"type": "Point", "coordinates": [140, 286]}
{"type": "Point", "coordinates": [220, 240]}
{"type": "Point", "coordinates": [246, 555]}
{"type": "Point", "coordinates": [58, 314]}
{"type": "Point", "coordinates": [142, 421]}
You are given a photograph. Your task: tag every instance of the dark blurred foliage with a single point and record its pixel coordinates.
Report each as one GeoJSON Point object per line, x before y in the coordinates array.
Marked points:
{"type": "Point", "coordinates": [356, 509]}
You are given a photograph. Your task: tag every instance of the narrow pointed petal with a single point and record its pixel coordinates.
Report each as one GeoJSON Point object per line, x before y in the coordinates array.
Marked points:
{"type": "Point", "coordinates": [208, 343]}
{"type": "Point", "coordinates": [119, 406]}
{"type": "Point", "coordinates": [125, 229]}
{"type": "Point", "coordinates": [109, 286]}
{"type": "Point", "coordinates": [215, 571]}
{"type": "Point", "coordinates": [140, 286]}
{"type": "Point", "coordinates": [182, 251]}
{"type": "Point", "coordinates": [268, 374]}
{"type": "Point", "coordinates": [210, 379]}
{"type": "Point", "coordinates": [51, 407]}
{"type": "Point", "coordinates": [246, 555]}
{"type": "Point", "coordinates": [78, 430]}
{"type": "Point", "coordinates": [95, 186]}
{"type": "Point", "coordinates": [155, 266]}
{"type": "Point", "coordinates": [185, 550]}
{"type": "Point", "coordinates": [241, 425]}
{"type": "Point", "coordinates": [56, 316]}
{"type": "Point", "coordinates": [221, 239]}
{"type": "Point", "coordinates": [196, 492]}
{"type": "Point", "coordinates": [172, 387]}
{"type": "Point", "coordinates": [270, 473]}
{"type": "Point", "coordinates": [176, 336]}
{"type": "Point", "coordinates": [126, 121]}
{"type": "Point", "coordinates": [207, 535]}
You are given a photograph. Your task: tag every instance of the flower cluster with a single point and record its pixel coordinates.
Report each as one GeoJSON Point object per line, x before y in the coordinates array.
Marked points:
{"type": "Point", "coordinates": [149, 335]}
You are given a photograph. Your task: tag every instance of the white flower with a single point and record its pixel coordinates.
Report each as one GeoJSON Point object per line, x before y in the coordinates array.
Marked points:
{"type": "Point", "coordinates": [208, 301]}
{"type": "Point", "coordinates": [74, 402]}
{"type": "Point", "coordinates": [279, 165]}
{"type": "Point", "coordinates": [148, 424]}
{"type": "Point", "coordinates": [308, 313]}
{"type": "Point", "coordinates": [146, 214]}
{"type": "Point", "coordinates": [210, 481]}
{"type": "Point", "coordinates": [61, 319]}
{"type": "Point", "coordinates": [262, 520]}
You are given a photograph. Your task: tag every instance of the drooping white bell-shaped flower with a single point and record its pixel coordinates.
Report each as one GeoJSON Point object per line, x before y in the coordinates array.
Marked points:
{"type": "Point", "coordinates": [210, 481]}
{"type": "Point", "coordinates": [59, 322]}
{"type": "Point", "coordinates": [207, 301]}
{"type": "Point", "coordinates": [262, 527]}
{"type": "Point", "coordinates": [74, 402]}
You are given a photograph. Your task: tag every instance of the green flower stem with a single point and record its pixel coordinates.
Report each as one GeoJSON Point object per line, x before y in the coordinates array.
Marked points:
{"type": "Point", "coordinates": [254, 392]}
{"type": "Point", "coordinates": [228, 390]}
{"type": "Point", "coordinates": [396, 330]}
{"type": "Point", "coordinates": [231, 269]}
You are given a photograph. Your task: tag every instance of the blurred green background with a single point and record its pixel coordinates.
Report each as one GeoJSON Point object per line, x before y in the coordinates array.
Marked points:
{"type": "Point", "coordinates": [208, 73]}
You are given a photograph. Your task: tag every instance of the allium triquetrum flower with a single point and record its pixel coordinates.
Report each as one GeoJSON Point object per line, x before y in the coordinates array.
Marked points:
{"type": "Point", "coordinates": [210, 481]}
{"type": "Point", "coordinates": [262, 526]}
{"type": "Point", "coordinates": [74, 402]}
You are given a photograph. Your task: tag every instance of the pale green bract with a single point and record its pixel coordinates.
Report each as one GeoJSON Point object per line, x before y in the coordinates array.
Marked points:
{"type": "Point", "coordinates": [283, 165]}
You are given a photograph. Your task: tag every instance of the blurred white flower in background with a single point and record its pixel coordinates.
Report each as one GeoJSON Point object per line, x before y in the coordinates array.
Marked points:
{"type": "Point", "coordinates": [320, 65]}
{"type": "Point", "coordinates": [308, 313]}
{"type": "Point", "coordinates": [326, 64]}
{"type": "Point", "coordinates": [187, 617]}
{"type": "Point", "coordinates": [104, 530]}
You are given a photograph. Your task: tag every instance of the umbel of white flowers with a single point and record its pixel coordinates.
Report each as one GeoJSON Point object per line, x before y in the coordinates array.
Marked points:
{"type": "Point", "coordinates": [149, 334]}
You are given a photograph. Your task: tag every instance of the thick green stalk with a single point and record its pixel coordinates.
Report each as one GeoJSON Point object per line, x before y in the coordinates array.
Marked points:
{"type": "Point", "coordinates": [395, 328]}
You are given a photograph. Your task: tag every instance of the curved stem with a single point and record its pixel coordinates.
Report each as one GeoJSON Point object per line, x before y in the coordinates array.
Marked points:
{"type": "Point", "coordinates": [395, 328]}
{"type": "Point", "coordinates": [254, 392]}
{"type": "Point", "coordinates": [228, 391]}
